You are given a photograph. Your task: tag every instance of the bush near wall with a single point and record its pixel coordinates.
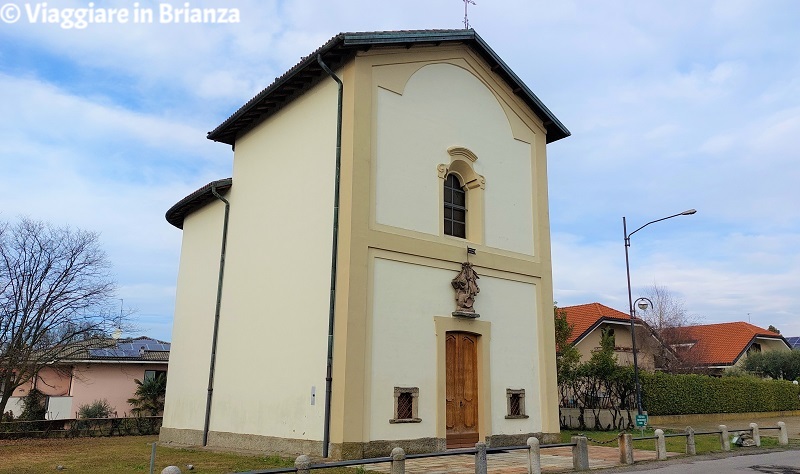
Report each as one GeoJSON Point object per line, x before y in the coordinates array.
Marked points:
{"type": "Point", "coordinates": [684, 394]}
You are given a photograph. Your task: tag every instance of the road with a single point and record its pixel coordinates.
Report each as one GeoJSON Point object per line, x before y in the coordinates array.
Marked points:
{"type": "Point", "coordinates": [760, 461]}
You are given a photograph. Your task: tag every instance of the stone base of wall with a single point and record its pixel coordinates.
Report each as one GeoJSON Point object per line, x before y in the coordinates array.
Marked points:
{"type": "Point", "coordinates": [239, 441]}
{"type": "Point", "coordinates": [293, 447]}
{"type": "Point", "coordinates": [381, 448]}
{"type": "Point", "coordinates": [500, 440]}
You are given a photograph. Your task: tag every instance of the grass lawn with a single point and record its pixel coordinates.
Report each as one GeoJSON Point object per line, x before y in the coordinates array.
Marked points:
{"type": "Point", "coordinates": [703, 443]}
{"type": "Point", "coordinates": [126, 454]}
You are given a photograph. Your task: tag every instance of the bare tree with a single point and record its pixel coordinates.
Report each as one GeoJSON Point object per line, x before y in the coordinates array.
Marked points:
{"type": "Point", "coordinates": [55, 288]}
{"type": "Point", "coordinates": [664, 332]}
{"type": "Point", "coordinates": [668, 310]}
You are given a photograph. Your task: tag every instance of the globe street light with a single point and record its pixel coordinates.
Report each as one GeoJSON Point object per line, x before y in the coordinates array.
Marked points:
{"type": "Point", "coordinates": [642, 303]}
{"type": "Point", "coordinates": [631, 311]}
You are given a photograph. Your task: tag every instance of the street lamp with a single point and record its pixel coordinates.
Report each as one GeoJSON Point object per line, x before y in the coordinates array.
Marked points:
{"type": "Point", "coordinates": [632, 312]}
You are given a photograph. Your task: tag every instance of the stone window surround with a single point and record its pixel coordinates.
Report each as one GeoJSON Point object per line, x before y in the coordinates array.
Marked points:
{"type": "Point", "coordinates": [461, 165]}
{"type": "Point", "coordinates": [510, 393]}
{"type": "Point", "coordinates": [414, 391]}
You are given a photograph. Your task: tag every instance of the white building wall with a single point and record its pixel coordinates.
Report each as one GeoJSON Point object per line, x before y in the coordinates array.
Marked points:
{"type": "Point", "coordinates": [442, 106]}
{"type": "Point", "coordinates": [193, 323]}
{"type": "Point", "coordinates": [273, 330]}
{"type": "Point", "coordinates": [511, 307]}
{"type": "Point", "coordinates": [406, 298]}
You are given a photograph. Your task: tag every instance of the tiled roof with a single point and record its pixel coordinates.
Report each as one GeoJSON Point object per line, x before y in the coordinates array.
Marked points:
{"type": "Point", "coordinates": [585, 317]}
{"type": "Point", "coordinates": [717, 344]}
{"type": "Point", "coordinates": [342, 47]}
{"type": "Point", "coordinates": [141, 348]}
{"type": "Point", "coordinates": [177, 213]}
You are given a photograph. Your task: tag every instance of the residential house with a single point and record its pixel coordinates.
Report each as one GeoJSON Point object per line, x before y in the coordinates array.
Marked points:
{"type": "Point", "coordinates": [434, 173]}
{"type": "Point", "coordinates": [591, 321]}
{"type": "Point", "coordinates": [95, 370]}
{"type": "Point", "coordinates": [714, 348]}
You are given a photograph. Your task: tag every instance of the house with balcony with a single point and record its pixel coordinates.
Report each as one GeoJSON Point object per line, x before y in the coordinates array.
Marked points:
{"type": "Point", "coordinates": [593, 320]}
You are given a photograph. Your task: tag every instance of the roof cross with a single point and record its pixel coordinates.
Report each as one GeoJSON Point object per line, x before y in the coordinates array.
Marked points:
{"type": "Point", "coordinates": [466, 18]}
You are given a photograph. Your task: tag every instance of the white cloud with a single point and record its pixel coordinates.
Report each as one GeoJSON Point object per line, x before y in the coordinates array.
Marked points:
{"type": "Point", "coordinates": [671, 105]}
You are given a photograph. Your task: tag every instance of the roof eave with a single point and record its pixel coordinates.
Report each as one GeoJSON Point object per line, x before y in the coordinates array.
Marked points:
{"type": "Point", "coordinates": [199, 198]}
{"type": "Point", "coordinates": [260, 107]}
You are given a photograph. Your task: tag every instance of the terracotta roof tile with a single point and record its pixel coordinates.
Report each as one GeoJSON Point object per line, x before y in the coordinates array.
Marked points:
{"type": "Point", "coordinates": [583, 317]}
{"type": "Point", "coordinates": [717, 344]}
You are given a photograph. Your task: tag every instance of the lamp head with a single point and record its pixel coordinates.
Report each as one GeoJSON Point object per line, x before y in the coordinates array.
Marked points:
{"type": "Point", "coordinates": [642, 305]}
{"type": "Point", "coordinates": [689, 212]}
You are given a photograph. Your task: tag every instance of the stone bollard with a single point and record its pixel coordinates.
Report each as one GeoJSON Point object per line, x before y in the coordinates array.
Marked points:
{"type": "Point", "coordinates": [783, 435]}
{"type": "Point", "coordinates": [691, 447]}
{"type": "Point", "coordinates": [303, 464]}
{"type": "Point", "coordinates": [481, 466]}
{"type": "Point", "coordinates": [534, 457]}
{"type": "Point", "coordinates": [661, 445]}
{"type": "Point", "coordinates": [754, 434]}
{"type": "Point", "coordinates": [724, 438]}
{"type": "Point", "coordinates": [625, 441]}
{"type": "Point", "coordinates": [171, 470]}
{"type": "Point", "coordinates": [398, 461]}
{"type": "Point", "coordinates": [580, 453]}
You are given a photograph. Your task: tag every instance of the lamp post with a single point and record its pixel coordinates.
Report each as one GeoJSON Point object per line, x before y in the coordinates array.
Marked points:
{"type": "Point", "coordinates": [632, 312]}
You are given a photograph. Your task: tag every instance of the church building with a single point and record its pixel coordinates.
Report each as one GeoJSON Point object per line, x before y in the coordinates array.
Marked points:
{"type": "Point", "coordinates": [377, 271]}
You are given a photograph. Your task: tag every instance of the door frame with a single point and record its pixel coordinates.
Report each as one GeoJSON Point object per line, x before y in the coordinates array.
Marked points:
{"type": "Point", "coordinates": [482, 329]}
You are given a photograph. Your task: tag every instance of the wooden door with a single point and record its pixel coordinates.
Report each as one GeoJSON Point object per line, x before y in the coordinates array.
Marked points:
{"type": "Point", "coordinates": [462, 389]}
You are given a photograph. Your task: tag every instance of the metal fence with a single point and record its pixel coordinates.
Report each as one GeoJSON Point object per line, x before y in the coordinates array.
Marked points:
{"type": "Point", "coordinates": [81, 427]}
{"type": "Point", "coordinates": [580, 451]}
{"type": "Point", "coordinates": [579, 444]}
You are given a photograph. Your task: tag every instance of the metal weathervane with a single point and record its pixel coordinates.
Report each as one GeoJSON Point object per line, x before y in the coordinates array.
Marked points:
{"type": "Point", "coordinates": [466, 17]}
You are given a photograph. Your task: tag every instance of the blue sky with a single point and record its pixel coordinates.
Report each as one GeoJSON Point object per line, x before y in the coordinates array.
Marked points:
{"type": "Point", "coordinates": [672, 105]}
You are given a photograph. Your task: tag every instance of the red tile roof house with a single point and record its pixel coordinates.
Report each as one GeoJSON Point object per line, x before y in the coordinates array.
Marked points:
{"type": "Point", "coordinates": [714, 348]}
{"type": "Point", "coordinates": [589, 321]}
{"type": "Point", "coordinates": [100, 369]}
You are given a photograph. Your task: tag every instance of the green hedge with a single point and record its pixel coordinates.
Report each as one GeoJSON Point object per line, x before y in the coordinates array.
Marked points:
{"type": "Point", "coordinates": [666, 394]}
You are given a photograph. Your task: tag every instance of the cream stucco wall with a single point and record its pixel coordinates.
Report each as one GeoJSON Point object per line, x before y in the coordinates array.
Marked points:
{"type": "Point", "coordinates": [193, 322]}
{"type": "Point", "coordinates": [444, 105]}
{"type": "Point", "coordinates": [273, 329]}
{"type": "Point", "coordinates": [406, 297]}
{"type": "Point", "coordinates": [767, 345]}
{"type": "Point", "coordinates": [275, 303]}
{"type": "Point", "coordinates": [622, 337]}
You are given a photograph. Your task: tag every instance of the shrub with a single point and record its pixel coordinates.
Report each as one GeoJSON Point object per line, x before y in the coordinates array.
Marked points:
{"type": "Point", "coordinates": [33, 406]}
{"type": "Point", "coordinates": [668, 394]}
{"type": "Point", "coordinates": [96, 409]}
{"type": "Point", "coordinates": [149, 399]}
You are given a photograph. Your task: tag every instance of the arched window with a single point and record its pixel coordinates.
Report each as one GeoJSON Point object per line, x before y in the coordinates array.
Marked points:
{"type": "Point", "coordinates": [455, 207]}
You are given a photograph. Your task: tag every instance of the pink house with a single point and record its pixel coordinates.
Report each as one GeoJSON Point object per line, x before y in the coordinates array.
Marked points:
{"type": "Point", "coordinates": [104, 369]}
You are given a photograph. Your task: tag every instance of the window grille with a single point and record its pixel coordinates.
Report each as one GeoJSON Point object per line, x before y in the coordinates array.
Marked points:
{"type": "Point", "coordinates": [405, 405]}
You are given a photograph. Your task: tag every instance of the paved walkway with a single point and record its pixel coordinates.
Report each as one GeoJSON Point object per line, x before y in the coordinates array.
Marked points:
{"type": "Point", "coordinates": [514, 462]}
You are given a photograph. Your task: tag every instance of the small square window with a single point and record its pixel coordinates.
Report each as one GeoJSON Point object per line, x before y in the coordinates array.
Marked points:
{"type": "Point", "coordinates": [405, 405]}
{"type": "Point", "coordinates": [152, 374]}
{"type": "Point", "coordinates": [516, 403]}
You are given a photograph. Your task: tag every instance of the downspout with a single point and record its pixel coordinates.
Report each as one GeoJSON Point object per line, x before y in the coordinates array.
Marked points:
{"type": "Point", "coordinates": [216, 311]}
{"type": "Point", "coordinates": [326, 433]}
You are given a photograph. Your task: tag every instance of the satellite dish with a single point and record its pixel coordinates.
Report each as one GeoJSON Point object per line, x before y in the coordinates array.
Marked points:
{"type": "Point", "coordinates": [117, 333]}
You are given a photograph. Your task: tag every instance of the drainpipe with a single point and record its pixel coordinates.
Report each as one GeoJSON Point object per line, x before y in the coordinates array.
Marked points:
{"type": "Point", "coordinates": [216, 311]}
{"type": "Point", "coordinates": [326, 433]}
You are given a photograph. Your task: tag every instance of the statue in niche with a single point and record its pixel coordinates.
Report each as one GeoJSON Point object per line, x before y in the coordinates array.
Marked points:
{"type": "Point", "coordinates": [466, 286]}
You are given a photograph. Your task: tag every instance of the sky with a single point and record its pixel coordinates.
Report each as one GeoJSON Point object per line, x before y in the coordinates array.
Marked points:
{"type": "Point", "coordinates": [672, 105]}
